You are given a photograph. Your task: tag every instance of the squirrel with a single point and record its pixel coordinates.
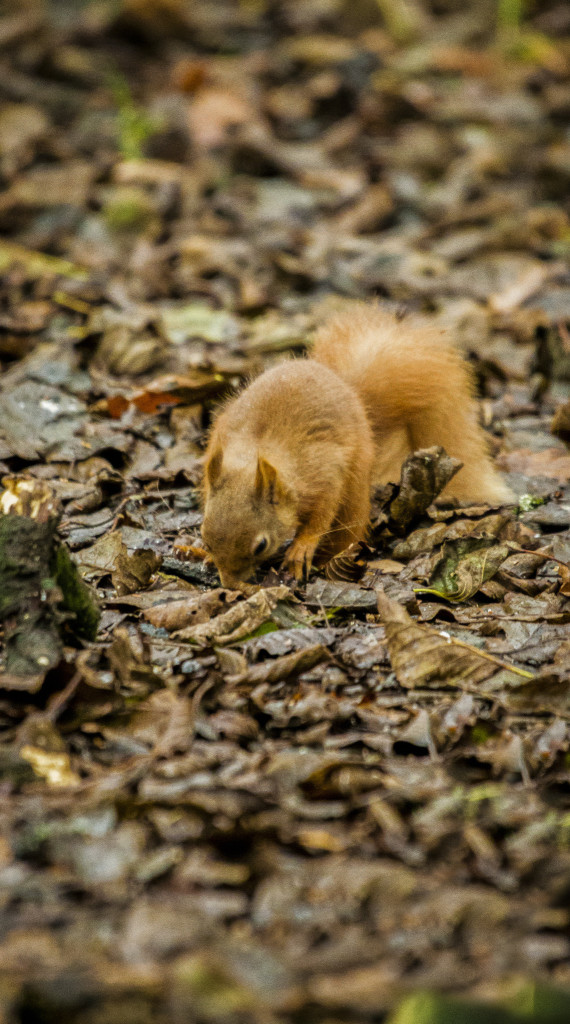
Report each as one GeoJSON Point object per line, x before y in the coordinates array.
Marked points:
{"type": "Point", "coordinates": [294, 457]}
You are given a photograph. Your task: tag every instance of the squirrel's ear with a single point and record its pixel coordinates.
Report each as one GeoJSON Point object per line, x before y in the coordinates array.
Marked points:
{"type": "Point", "coordinates": [214, 467]}
{"type": "Point", "coordinates": [267, 483]}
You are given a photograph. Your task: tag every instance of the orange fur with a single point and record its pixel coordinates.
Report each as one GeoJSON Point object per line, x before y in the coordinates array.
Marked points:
{"type": "Point", "coordinates": [293, 457]}
{"type": "Point", "coordinates": [417, 391]}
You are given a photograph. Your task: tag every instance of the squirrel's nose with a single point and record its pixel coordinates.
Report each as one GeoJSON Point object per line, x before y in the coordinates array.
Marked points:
{"type": "Point", "coordinates": [233, 582]}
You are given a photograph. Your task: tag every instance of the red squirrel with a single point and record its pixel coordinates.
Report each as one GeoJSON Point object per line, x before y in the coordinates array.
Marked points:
{"type": "Point", "coordinates": [293, 458]}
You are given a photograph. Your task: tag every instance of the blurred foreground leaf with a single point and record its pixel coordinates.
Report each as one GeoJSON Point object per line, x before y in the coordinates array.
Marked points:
{"type": "Point", "coordinates": [38, 264]}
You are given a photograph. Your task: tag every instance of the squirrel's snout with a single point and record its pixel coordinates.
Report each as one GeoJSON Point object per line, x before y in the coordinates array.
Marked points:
{"type": "Point", "coordinates": [232, 582]}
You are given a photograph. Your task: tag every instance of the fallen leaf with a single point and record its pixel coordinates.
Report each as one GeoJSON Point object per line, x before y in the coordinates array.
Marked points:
{"type": "Point", "coordinates": [132, 571]}
{"type": "Point", "coordinates": [424, 475]}
{"type": "Point", "coordinates": [329, 594]}
{"type": "Point", "coordinates": [286, 667]}
{"type": "Point", "coordinates": [194, 609]}
{"type": "Point", "coordinates": [238, 622]}
{"type": "Point", "coordinates": [420, 656]}
{"type": "Point", "coordinates": [463, 567]}
{"type": "Point", "coordinates": [551, 463]}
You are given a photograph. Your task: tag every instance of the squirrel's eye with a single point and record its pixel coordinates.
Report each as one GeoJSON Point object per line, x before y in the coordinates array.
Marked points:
{"type": "Point", "coordinates": [260, 546]}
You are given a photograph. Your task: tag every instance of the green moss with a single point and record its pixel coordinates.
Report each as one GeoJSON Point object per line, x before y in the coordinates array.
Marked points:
{"type": "Point", "coordinates": [128, 209]}
{"type": "Point", "coordinates": [510, 13]}
{"type": "Point", "coordinates": [481, 733]}
{"type": "Point", "coordinates": [78, 597]}
{"type": "Point", "coordinates": [135, 126]}
{"type": "Point", "coordinates": [431, 1008]}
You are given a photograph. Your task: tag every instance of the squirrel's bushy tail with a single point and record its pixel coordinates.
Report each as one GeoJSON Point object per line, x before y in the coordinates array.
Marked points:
{"type": "Point", "coordinates": [417, 391]}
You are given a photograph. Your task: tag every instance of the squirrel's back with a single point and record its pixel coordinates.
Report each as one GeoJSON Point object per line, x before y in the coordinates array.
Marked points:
{"type": "Point", "coordinates": [417, 391]}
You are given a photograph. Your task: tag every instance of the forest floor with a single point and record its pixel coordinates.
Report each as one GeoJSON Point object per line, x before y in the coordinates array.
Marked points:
{"type": "Point", "coordinates": [338, 803]}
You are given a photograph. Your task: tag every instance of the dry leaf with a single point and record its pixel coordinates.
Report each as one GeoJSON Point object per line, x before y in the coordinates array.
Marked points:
{"type": "Point", "coordinates": [420, 656]}
{"type": "Point", "coordinates": [238, 622]}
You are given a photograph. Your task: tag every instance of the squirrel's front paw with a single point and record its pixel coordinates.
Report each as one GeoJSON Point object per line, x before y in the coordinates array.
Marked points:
{"type": "Point", "coordinates": [299, 557]}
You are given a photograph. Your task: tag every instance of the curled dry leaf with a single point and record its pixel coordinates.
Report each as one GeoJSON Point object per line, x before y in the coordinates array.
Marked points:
{"type": "Point", "coordinates": [238, 622]}
{"type": "Point", "coordinates": [424, 475]}
{"type": "Point", "coordinates": [132, 571]}
{"type": "Point", "coordinates": [287, 665]}
{"type": "Point", "coordinates": [129, 661]}
{"type": "Point", "coordinates": [346, 567]}
{"type": "Point", "coordinates": [427, 538]}
{"type": "Point", "coordinates": [192, 610]}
